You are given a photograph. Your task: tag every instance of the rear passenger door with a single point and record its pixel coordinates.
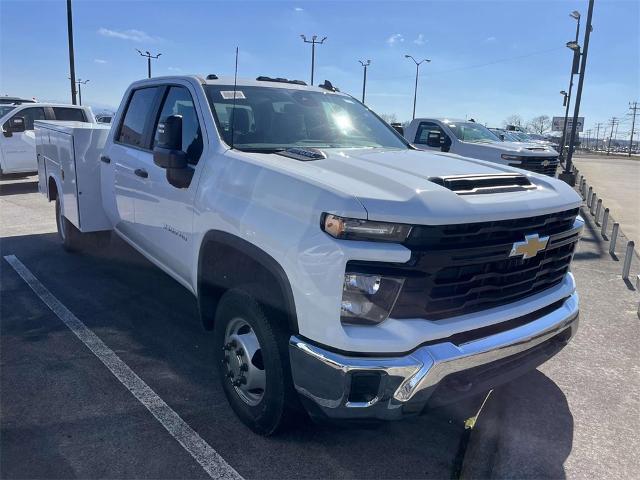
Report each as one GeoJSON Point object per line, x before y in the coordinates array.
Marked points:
{"type": "Point", "coordinates": [164, 213]}
{"type": "Point", "coordinates": [126, 158]}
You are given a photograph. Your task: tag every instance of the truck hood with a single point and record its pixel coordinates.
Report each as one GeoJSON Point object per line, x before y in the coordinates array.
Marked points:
{"type": "Point", "coordinates": [393, 185]}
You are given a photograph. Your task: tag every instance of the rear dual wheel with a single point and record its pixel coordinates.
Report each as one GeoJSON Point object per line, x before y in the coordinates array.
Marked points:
{"type": "Point", "coordinates": [73, 240]}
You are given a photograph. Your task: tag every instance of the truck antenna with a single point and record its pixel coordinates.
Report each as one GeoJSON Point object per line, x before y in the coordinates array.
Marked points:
{"type": "Point", "coordinates": [233, 110]}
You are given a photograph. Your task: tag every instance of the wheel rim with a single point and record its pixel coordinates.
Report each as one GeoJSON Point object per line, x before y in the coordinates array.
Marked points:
{"type": "Point", "coordinates": [244, 366]}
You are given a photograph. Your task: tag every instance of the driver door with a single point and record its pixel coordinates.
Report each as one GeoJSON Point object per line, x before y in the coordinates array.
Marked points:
{"type": "Point", "coordinates": [19, 148]}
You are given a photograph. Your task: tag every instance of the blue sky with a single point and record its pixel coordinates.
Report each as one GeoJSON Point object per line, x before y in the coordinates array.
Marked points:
{"type": "Point", "coordinates": [489, 59]}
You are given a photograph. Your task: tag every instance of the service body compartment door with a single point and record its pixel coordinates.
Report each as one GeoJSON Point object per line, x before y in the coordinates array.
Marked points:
{"type": "Point", "coordinates": [66, 158]}
{"type": "Point", "coordinates": [42, 145]}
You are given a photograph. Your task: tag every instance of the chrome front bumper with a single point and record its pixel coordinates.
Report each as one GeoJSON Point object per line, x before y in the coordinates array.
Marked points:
{"type": "Point", "coordinates": [405, 384]}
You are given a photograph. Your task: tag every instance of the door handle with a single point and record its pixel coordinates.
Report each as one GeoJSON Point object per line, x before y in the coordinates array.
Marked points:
{"type": "Point", "coordinates": [105, 159]}
{"type": "Point", "coordinates": [141, 173]}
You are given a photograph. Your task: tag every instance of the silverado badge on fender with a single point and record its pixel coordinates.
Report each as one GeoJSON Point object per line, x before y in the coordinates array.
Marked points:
{"type": "Point", "coordinates": [529, 247]}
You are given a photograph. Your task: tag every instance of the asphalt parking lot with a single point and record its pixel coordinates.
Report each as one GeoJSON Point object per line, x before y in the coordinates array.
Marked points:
{"type": "Point", "coordinates": [65, 415]}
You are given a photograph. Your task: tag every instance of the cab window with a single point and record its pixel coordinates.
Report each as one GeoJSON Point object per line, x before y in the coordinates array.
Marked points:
{"type": "Point", "coordinates": [178, 101]}
{"type": "Point", "coordinates": [30, 115]}
{"type": "Point", "coordinates": [138, 112]}
{"type": "Point", "coordinates": [424, 129]}
{"type": "Point", "coordinates": [70, 114]}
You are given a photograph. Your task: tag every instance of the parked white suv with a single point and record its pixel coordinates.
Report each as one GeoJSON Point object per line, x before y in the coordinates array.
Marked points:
{"type": "Point", "coordinates": [470, 139]}
{"type": "Point", "coordinates": [337, 265]}
{"type": "Point", "coordinates": [17, 143]}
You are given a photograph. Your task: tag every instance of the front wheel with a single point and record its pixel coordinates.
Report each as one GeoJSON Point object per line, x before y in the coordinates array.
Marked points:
{"type": "Point", "coordinates": [252, 363]}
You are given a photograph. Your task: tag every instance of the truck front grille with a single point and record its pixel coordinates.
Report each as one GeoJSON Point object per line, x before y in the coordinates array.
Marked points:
{"type": "Point", "coordinates": [460, 269]}
{"type": "Point", "coordinates": [543, 165]}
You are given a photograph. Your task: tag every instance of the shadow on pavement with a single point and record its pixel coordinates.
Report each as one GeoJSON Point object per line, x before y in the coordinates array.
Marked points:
{"type": "Point", "coordinates": [525, 431]}
{"type": "Point", "coordinates": [151, 322]}
{"type": "Point", "coordinates": [18, 188]}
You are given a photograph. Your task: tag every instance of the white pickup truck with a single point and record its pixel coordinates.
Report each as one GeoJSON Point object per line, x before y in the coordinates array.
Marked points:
{"type": "Point", "coordinates": [340, 269]}
{"type": "Point", "coordinates": [17, 143]}
{"type": "Point", "coordinates": [470, 139]}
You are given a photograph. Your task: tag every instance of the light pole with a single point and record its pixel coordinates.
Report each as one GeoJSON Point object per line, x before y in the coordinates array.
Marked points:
{"type": "Point", "coordinates": [415, 90]}
{"type": "Point", "coordinates": [364, 64]}
{"type": "Point", "coordinates": [568, 176]}
{"type": "Point", "coordinates": [80, 82]}
{"type": "Point", "coordinates": [574, 69]}
{"type": "Point", "coordinates": [313, 42]}
{"type": "Point", "coordinates": [148, 56]}
{"type": "Point", "coordinates": [72, 68]}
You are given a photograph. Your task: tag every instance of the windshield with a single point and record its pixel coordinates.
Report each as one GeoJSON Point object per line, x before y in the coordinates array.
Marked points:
{"type": "Point", "coordinates": [271, 119]}
{"type": "Point", "coordinates": [472, 132]}
{"type": "Point", "coordinates": [4, 109]}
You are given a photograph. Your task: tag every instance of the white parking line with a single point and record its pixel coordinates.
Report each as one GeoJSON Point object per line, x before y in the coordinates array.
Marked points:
{"type": "Point", "coordinates": [200, 450]}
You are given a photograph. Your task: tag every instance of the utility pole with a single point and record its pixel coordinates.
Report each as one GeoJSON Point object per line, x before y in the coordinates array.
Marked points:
{"type": "Point", "coordinates": [634, 108]}
{"type": "Point", "coordinates": [365, 64]}
{"type": "Point", "coordinates": [598, 125]}
{"type": "Point", "coordinates": [314, 40]}
{"type": "Point", "coordinates": [72, 67]}
{"type": "Point", "coordinates": [415, 90]}
{"type": "Point", "coordinates": [568, 176]}
{"type": "Point", "coordinates": [567, 96]}
{"type": "Point", "coordinates": [587, 138]}
{"type": "Point", "coordinates": [80, 82]}
{"type": "Point", "coordinates": [148, 56]}
{"type": "Point", "coordinates": [614, 122]}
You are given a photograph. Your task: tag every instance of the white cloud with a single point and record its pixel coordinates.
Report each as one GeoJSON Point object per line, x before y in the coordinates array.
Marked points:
{"type": "Point", "coordinates": [131, 34]}
{"type": "Point", "coordinates": [420, 40]}
{"type": "Point", "coordinates": [490, 39]}
{"type": "Point", "coordinates": [395, 38]}
{"type": "Point", "coordinates": [99, 60]}
{"type": "Point", "coordinates": [299, 9]}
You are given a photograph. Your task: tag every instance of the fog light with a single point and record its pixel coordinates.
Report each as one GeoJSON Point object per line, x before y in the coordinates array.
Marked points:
{"type": "Point", "coordinates": [368, 299]}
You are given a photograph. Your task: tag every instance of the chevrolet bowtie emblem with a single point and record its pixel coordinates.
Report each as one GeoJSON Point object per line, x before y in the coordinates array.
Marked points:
{"type": "Point", "coordinates": [546, 163]}
{"type": "Point", "coordinates": [530, 247]}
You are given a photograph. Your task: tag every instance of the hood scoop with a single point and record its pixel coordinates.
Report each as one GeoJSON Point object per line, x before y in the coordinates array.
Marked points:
{"type": "Point", "coordinates": [536, 148]}
{"type": "Point", "coordinates": [481, 184]}
{"type": "Point", "coordinates": [303, 154]}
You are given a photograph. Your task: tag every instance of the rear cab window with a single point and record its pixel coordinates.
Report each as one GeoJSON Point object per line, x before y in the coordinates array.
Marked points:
{"type": "Point", "coordinates": [69, 114]}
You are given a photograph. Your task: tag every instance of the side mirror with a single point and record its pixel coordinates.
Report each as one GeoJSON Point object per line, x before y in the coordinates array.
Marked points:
{"type": "Point", "coordinates": [17, 124]}
{"type": "Point", "coordinates": [168, 152]}
{"type": "Point", "coordinates": [398, 128]}
{"type": "Point", "coordinates": [434, 139]}
{"type": "Point", "coordinates": [446, 143]}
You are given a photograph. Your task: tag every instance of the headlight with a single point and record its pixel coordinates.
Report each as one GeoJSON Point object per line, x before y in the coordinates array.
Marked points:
{"type": "Point", "coordinates": [506, 156]}
{"type": "Point", "coordinates": [368, 299]}
{"type": "Point", "coordinates": [355, 229]}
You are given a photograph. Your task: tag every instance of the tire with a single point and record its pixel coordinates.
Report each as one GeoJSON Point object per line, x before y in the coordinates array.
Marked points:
{"type": "Point", "coordinates": [73, 240]}
{"type": "Point", "coordinates": [244, 335]}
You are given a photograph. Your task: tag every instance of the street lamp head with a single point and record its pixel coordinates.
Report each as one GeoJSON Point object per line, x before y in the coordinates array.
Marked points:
{"type": "Point", "coordinates": [303, 37]}
{"type": "Point", "coordinates": [575, 14]}
{"type": "Point", "coordinates": [562, 92]}
{"type": "Point", "coordinates": [573, 45]}
{"type": "Point", "coordinates": [314, 37]}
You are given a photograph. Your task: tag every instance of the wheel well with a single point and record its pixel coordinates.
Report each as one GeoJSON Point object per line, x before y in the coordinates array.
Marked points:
{"type": "Point", "coordinates": [226, 262]}
{"type": "Point", "coordinates": [53, 189]}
